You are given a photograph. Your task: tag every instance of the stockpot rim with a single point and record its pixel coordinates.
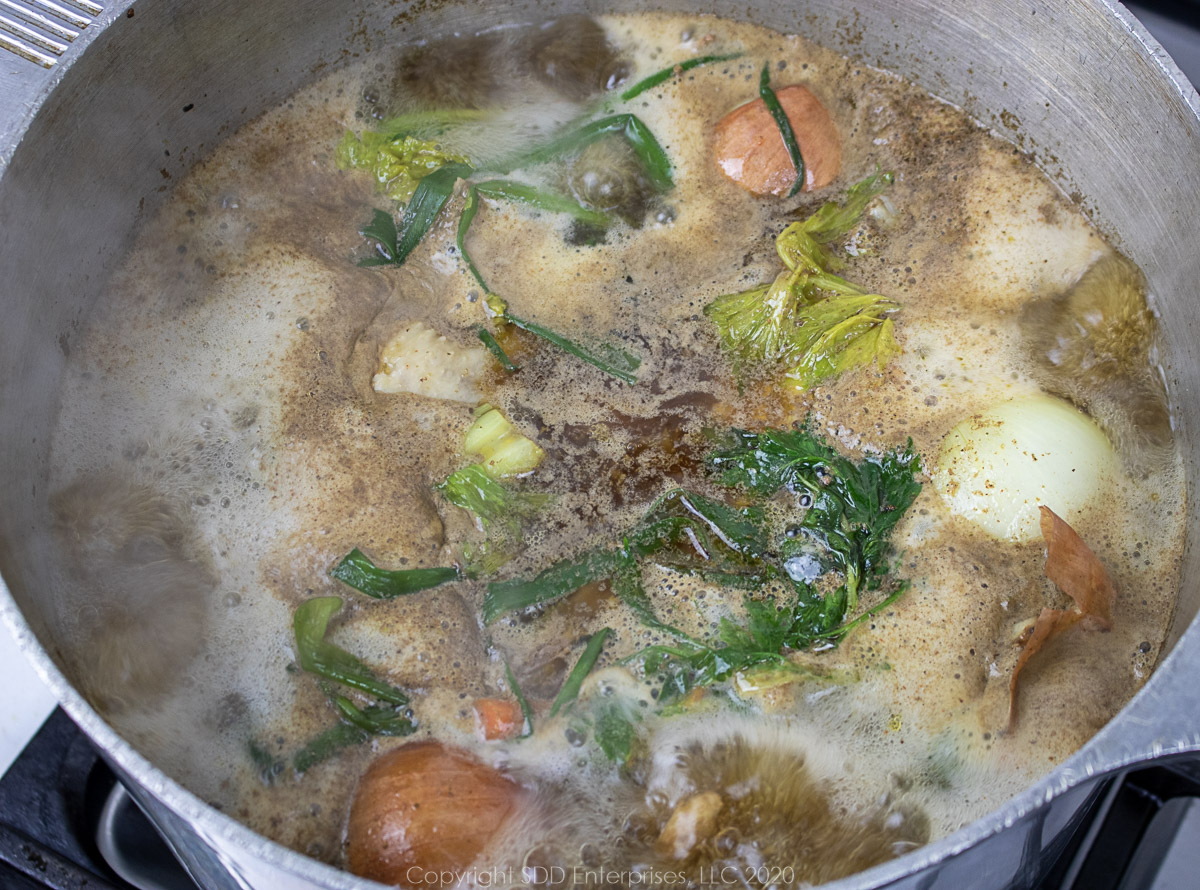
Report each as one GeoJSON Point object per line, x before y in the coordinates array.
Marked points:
{"type": "Point", "coordinates": [1148, 727]}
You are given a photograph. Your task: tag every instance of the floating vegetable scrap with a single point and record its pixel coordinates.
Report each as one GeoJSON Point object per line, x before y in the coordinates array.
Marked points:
{"type": "Point", "coordinates": [850, 510]}
{"type": "Point", "coordinates": [334, 664]}
{"type": "Point", "coordinates": [412, 166]}
{"type": "Point", "coordinates": [779, 143]}
{"type": "Point", "coordinates": [498, 507]}
{"type": "Point", "coordinates": [810, 324]}
{"type": "Point", "coordinates": [1078, 573]}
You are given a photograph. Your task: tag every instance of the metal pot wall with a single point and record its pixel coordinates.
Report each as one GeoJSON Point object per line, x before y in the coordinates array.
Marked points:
{"type": "Point", "coordinates": [89, 144]}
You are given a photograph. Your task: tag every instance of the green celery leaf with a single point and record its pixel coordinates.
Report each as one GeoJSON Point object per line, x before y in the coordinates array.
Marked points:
{"type": "Point", "coordinates": [398, 163]}
{"type": "Point", "coordinates": [809, 325]}
{"type": "Point", "coordinates": [803, 245]}
{"type": "Point", "coordinates": [493, 502]}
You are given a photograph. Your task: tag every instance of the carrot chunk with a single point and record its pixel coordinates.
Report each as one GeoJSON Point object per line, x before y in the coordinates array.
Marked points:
{"type": "Point", "coordinates": [498, 718]}
{"type": "Point", "coordinates": [750, 150]}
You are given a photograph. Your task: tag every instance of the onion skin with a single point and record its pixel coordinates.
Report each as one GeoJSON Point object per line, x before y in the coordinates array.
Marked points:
{"type": "Point", "coordinates": [750, 150]}
{"type": "Point", "coordinates": [423, 811]}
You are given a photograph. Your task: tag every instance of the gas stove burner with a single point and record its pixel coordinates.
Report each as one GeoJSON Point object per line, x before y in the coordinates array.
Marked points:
{"type": "Point", "coordinates": [67, 824]}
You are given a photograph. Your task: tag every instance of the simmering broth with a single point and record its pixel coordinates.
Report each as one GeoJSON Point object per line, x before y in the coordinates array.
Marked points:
{"type": "Point", "coordinates": [224, 443]}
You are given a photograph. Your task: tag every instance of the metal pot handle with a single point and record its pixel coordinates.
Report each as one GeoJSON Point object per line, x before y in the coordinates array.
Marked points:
{"type": "Point", "coordinates": [35, 36]}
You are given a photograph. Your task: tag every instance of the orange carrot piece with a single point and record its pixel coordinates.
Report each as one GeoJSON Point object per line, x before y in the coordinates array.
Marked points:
{"type": "Point", "coordinates": [498, 718]}
{"type": "Point", "coordinates": [750, 150]}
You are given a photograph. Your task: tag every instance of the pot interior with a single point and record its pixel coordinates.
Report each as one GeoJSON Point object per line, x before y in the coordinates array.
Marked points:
{"type": "Point", "coordinates": [162, 84]}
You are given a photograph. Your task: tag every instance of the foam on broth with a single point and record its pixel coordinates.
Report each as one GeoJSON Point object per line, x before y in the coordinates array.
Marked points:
{"type": "Point", "coordinates": [226, 378]}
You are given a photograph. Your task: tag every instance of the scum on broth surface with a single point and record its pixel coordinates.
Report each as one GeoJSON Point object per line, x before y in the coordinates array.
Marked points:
{"type": "Point", "coordinates": [229, 372]}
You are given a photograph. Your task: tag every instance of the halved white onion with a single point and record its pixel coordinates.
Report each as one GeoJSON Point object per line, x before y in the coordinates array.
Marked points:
{"type": "Point", "coordinates": [997, 467]}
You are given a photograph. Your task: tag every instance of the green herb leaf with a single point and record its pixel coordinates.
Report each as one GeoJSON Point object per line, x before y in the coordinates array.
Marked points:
{"type": "Point", "coordinates": [609, 359]}
{"type": "Point", "coordinates": [615, 732]}
{"type": "Point", "coordinates": [375, 719]}
{"type": "Point", "coordinates": [648, 83]}
{"type": "Point", "coordinates": [852, 507]}
{"type": "Point", "coordinates": [583, 667]}
{"type": "Point", "coordinates": [325, 745]}
{"type": "Point", "coordinates": [320, 657]}
{"type": "Point", "coordinates": [563, 577]}
{"type": "Point", "coordinates": [785, 126]}
{"type": "Point", "coordinates": [431, 194]}
{"type": "Point", "coordinates": [357, 570]}
{"type": "Point", "coordinates": [526, 710]}
{"type": "Point", "coordinates": [542, 199]}
{"type": "Point", "coordinates": [654, 160]}
{"type": "Point", "coordinates": [497, 350]}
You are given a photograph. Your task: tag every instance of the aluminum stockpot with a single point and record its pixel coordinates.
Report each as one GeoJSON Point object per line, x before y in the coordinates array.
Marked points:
{"type": "Point", "coordinates": [90, 143]}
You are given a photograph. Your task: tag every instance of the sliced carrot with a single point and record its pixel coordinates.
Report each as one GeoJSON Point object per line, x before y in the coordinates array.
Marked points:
{"type": "Point", "coordinates": [750, 150]}
{"type": "Point", "coordinates": [498, 718]}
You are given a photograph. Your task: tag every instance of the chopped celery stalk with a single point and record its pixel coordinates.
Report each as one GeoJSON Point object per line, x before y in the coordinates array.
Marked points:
{"type": "Point", "coordinates": [583, 667]}
{"type": "Point", "coordinates": [357, 570]}
{"type": "Point", "coordinates": [526, 710]}
{"type": "Point", "coordinates": [486, 338]}
{"type": "Point", "coordinates": [665, 74]}
{"type": "Point", "coordinates": [785, 127]}
{"type": "Point", "coordinates": [502, 448]}
{"type": "Point", "coordinates": [398, 163]}
{"type": "Point", "coordinates": [324, 659]}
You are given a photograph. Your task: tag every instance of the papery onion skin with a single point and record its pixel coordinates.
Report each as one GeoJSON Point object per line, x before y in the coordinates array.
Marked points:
{"type": "Point", "coordinates": [749, 149]}
{"type": "Point", "coordinates": [425, 810]}
{"type": "Point", "coordinates": [997, 467]}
